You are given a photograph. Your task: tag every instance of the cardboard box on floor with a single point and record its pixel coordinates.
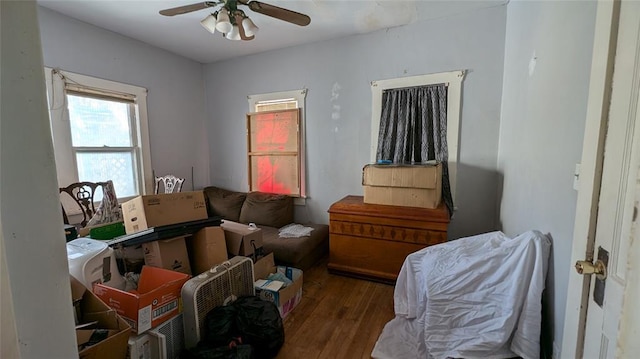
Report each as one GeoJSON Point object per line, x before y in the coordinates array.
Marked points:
{"type": "Point", "coordinates": [403, 185]}
{"type": "Point", "coordinates": [207, 248]}
{"type": "Point", "coordinates": [168, 254]}
{"type": "Point", "coordinates": [241, 238]}
{"type": "Point", "coordinates": [285, 298]}
{"type": "Point", "coordinates": [156, 300]}
{"type": "Point", "coordinates": [163, 209]}
{"type": "Point", "coordinates": [89, 308]}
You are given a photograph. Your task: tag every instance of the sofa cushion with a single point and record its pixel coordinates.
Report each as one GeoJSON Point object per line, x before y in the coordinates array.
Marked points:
{"type": "Point", "coordinates": [267, 209]}
{"type": "Point", "coordinates": [300, 252]}
{"type": "Point", "coordinates": [224, 203]}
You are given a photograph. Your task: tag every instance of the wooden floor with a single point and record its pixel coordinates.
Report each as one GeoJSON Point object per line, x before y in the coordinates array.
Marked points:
{"type": "Point", "coordinates": [338, 317]}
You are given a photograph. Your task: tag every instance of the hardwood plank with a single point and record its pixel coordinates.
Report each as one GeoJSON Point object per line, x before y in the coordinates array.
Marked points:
{"type": "Point", "coordinates": [338, 317]}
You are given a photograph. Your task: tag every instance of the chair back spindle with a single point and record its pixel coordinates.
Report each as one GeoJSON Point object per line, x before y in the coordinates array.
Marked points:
{"type": "Point", "coordinates": [169, 184]}
{"type": "Point", "coordinates": [82, 194]}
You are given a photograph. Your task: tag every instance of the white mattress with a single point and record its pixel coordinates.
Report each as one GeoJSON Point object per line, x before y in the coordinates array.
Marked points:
{"type": "Point", "coordinates": [475, 297]}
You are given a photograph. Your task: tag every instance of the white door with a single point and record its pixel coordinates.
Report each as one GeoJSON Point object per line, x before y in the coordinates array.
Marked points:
{"type": "Point", "coordinates": [618, 191]}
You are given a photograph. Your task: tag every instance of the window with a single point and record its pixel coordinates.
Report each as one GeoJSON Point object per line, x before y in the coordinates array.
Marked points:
{"type": "Point", "coordinates": [275, 143]}
{"type": "Point", "coordinates": [453, 81]}
{"type": "Point", "coordinates": [273, 152]}
{"type": "Point", "coordinates": [100, 132]}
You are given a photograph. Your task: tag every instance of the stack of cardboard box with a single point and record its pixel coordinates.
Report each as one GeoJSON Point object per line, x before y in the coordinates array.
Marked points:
{"type": "Point", "coordinates": [284, 297]}
{"type": "Point", "coordinates": [246, 240]}
{"type": "Point", "coordinates": [418, 185]}
{"type": "Point", "coordinates": [156, 300]}
{"type": "Point", "coordinates": [170, 263]}
{"type": "Point", "coordinates": [192, 254]}
{"type": "Point", "coordinates": [100, 332]}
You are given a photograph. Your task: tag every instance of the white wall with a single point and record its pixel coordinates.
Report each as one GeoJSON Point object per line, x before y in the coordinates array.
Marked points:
{"type": "Point", "coordinates": [175, 101]}
{"type": "Point", "coordinates": [338, 106]}
{"type": "Point", "coordinates": [35, 279]}
{"type": "Point", "coordinates": [542, 128]}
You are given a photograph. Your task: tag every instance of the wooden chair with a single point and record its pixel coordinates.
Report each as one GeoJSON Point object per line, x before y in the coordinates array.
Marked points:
{"type": "Point", "coordinates": [82, 194]}
{"type": "Point", "coordinates": [170, 184]}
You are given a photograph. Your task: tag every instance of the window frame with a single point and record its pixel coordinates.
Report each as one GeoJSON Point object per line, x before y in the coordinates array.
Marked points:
{"type": "Point", "coordinates": [65, 153]}
{"type": "Point", "coordinates": [253, 153]}
{"type": "Point", "coordinates": [300, 96]}
{"type": "Point", "coordinates": [453, 80]}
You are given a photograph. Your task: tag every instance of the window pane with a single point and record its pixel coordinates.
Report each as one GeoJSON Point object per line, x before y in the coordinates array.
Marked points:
{"type": "Point", "coordinates": [275, 174]}
{"type": "Point", "coordinates": [104, 166]}
{"type": "Point", "coordinates": [274, 131]}
{"type": "Point", "coordinates": [98, 122]}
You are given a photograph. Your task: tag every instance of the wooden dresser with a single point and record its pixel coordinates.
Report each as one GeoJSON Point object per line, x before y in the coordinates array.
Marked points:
{"type": "Point", "coordinates": [372, 241]}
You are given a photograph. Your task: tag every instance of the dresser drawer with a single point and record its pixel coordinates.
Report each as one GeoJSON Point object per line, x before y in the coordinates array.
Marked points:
{"type": "Point", "coordinates": [366, 257]}
{"type": "Point", "coordinates": [387, 232]}
{"type": "Point", "coordinates": [423, 224]}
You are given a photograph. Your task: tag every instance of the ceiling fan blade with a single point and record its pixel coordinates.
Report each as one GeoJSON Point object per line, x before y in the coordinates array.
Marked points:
{"type": "Point", "coordinates": [187, 8]}
{"type": "Point", "coordinates": [280, 13]}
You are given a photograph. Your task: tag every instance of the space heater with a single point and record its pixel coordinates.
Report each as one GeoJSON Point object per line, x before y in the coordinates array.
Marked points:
{"type": "Point", "coordinates": [166, 341]}
{"type": "Point", "coordinates": [143, 346]}
{"type": "Point", "coordinates": [92, 261]}
{"type": "Point", "coordinates": [218, 286]}
{"type": "Point", "coordinates": [170, 337]}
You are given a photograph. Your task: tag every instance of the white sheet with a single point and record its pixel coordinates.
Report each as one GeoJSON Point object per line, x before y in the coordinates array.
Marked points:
{"type": "Point", "coordinates": [294, 230]}
{"type": "Point", "coordinates": [475, 297]}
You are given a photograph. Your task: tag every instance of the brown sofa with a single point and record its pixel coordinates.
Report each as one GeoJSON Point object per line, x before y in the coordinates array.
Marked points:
{"type": "Point", "coordinates": [270, 212]}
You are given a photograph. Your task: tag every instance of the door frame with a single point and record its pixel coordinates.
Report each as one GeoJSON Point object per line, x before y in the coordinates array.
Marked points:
{"type": "Point", "coordinates": [602, 62]}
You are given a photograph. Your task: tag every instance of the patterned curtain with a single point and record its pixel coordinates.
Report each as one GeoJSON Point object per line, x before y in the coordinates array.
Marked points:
{"type": "Point", "coordinates": [413, 129]}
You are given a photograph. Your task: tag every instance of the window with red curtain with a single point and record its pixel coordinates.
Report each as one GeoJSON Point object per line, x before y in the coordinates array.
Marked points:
{"type": "Point", "coordinates": [273, 141]}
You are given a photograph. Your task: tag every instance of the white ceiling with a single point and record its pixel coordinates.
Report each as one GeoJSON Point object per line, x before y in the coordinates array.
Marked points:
{"type": "Point", "coordinates": [183, 34]}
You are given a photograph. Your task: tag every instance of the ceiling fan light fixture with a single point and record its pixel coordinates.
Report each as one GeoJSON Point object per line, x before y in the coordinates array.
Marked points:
{"type": "Point", "coordinates": [209, 23]}
{"type": "Point", "coordinates": [232, 22]}
{"type": "Point", "coordinates": [223, 24]}
{"type": "Point", "coordinates": [250, 29]}
{"type": "Point", "coordinates": [234, 34]}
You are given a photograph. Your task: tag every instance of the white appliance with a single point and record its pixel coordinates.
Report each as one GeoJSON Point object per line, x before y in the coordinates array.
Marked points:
{"type": "Point", "coordinates": [143, 346]}
{"type": "Point", "coordinates": [170, 337]}
{"type": "Point", "coordinates": [93, 261]}
{"type": "Point", "coordinates": [166, 341]}
{"type": "Point", "coordinates": [218, 286]}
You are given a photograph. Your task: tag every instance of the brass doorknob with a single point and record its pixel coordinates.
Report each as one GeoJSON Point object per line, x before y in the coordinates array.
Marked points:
{"type": "Point", "coordinates": [587, 268]}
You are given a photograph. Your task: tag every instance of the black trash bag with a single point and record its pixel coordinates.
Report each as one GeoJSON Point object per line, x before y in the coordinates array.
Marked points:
{"type": "Point", "coordinates": [220, 328]}
{"type": "Point", "coordinates": [259, 325]}
{"type": "Point", "coordinates": [249, 321]}
{"type": "Point", "coordinates": [225, 352]}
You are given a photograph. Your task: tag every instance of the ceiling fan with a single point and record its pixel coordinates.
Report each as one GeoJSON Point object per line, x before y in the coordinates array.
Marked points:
{"type": "Point", "coordinates": [232, 22]}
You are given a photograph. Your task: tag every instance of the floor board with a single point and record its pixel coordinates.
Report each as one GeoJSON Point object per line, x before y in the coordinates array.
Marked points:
{"type": "Point", "coordinates": [338, 317]}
